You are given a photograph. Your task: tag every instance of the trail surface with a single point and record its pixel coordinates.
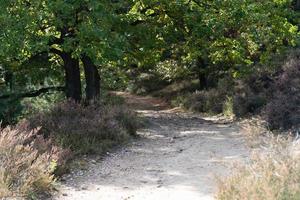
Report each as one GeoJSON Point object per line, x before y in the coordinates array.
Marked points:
{"type": "Point", "coordinates": [178, 156]}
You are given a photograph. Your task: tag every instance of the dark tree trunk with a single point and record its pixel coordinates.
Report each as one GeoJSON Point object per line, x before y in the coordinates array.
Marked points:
{"type": "Point", "coordinates": [92, 78]}
{"type": "Point", "coordinates": [202, 74]}
{"type": "Point", "coordinates": [297, 5]}
{"type": "Point", "coordinates": [72, 76]}
{"type": "Point", "coordinates": [8, 78]}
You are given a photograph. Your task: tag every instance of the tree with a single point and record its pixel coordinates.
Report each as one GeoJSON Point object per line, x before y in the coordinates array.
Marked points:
{"type": "Point", "coordinates": [74, 30]}
{"type": "Point", "coordinates": [218, 37]}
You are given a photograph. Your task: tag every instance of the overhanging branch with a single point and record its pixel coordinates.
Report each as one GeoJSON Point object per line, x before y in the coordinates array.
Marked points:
{"type": "Point", "coordinates": [34, 93]}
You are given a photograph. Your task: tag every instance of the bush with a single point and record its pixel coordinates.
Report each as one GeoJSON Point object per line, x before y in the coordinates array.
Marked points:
{"type": "Point", "coordinates": [13, 110]}
{"type": "Point", "coordinates": [283, 111]}
{"type": "Point", "coordinates": [10, 111]}
{"type": "Point", "coordinates": [210, 101]}
{"type": "Point", "coordinates": [251, 94]}
{"type": "Point", "coordinates": [274, 175]}
{"type": "Point", "coordinates": [214, 101]}
{"type": "Point", "coordinates": [27, 162]}
{"type": "Point", "coordinates": [146, 83]}
{"type": "Point", "coordinates": [86, 129]}
{"type": "Point", "coordinates": [249, 103]}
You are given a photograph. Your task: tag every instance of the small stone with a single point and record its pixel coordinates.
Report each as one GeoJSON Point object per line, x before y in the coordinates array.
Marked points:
{"type": "Point", "coordinates": [64, 194]}
{"type": "Point", "coordinates": [84, 188]}
{"type": "Point", "coordinates": [144, 181]}
{"type": "Point", "coordinates": [180, 150]}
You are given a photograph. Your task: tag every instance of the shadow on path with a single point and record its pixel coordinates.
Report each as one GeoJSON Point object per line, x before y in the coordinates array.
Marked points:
{"type": "Point", "coordinates": [177, 157]}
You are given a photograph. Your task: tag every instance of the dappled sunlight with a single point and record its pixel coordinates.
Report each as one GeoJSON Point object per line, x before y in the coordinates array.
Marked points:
{"type": "Point", "coordinates": [177, 156]}
{"type": "Point", "coordinates": [186, 133]}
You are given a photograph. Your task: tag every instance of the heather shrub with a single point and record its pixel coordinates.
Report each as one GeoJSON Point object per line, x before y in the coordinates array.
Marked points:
{"type": "Point", "coordinates": [251, 94]}
{"type": "Point", "coordinates": [86, 129]}
{"type": "Point", "coordinates": [247, 104]}
{"type": "Point", "coordinates": [283, 110]}
{"type": "Point", "coordinates": [214, 100]}
{"type": "Point", "coordinates": [27, 162]}
{"type": "Point", "coordinates": [209, 101]}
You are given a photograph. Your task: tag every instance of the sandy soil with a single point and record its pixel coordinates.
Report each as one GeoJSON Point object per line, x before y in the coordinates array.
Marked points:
{"type": "Point", "coordinates": [178, 156]}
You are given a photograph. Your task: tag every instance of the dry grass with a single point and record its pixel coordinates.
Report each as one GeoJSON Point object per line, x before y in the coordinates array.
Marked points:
{"type": "Point", "coordinates": [272, 173]}
{"type": "Point", "coordinates": [256, 132]}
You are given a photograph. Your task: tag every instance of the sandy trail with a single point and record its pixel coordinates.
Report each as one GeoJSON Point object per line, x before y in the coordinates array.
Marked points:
{"type": "Point", "coordinates": [177, 156]}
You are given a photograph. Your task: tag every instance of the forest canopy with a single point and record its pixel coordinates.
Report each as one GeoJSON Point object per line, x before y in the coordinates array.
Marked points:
{"type": "Point", "coordinates": [78, 44]}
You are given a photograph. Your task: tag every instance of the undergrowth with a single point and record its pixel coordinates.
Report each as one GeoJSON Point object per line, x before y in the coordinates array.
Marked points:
{"type": "Point", "coordinates": [272, 173]}
{"type": "Point", "coordinates": [38, 149]}
{"type": "Point", "coordinates": [87, 129]}
{"type": "Point", "coordinates": [27, 162]}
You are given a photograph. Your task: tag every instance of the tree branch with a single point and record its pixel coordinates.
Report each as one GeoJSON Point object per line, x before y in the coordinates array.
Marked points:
{"type": "Point", "coordinates": [32, 93]}
{"type": "Point", "coordinates": [55, 40]}
{"type": "Point", "coordinates": [56, 51]}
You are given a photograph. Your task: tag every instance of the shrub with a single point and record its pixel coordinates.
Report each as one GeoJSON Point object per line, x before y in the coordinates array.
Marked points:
{"type": "Point", "coordinates": [273, 175]}
{"type": "Point", "coordinates": [210, 101]}
{"type": "Point", "coordinates": [27, 162]}
{"type": "Point", "coordinates": [13, 110]}
{"type": "Point", "coordinates": [213, 101]}
{"type": "Point", "coordinates": [248, 103]}
{"type": "Point", "coordinates": [10, 111]}
{"type": "Point", "coordinates": [86, 129]}
{"type": "Point", "coordinates": [146, 83]}
{"type": "Point", "coordinates": [251, 94]}
{"type": "Point", "coordinates": [283, 111]}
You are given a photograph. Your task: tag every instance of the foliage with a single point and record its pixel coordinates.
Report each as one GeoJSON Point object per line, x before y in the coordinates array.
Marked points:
{"type": "Point", "coordinates": [86, 129]}
{"type": "Point", "coordinates": [147, 82]}
{"type": "Point", "coordinates": [63, 32]}
{"type": "Point", "coordinates": [114, 78]}
{"type": "Point", "coordinates": [13, 110]}
{"type": "Point", "coordinates": [172, 70]}
{"type": "Point", "coordinates": [10, 111]}
{"type": "Point", "coordinates": [229, 36]}
{"type": "Point", "coordinates": [172, 40]}
{"type": "Point", "coordinates": [36, 25]}
{"type": "Point", "coordinates": [27, 162]}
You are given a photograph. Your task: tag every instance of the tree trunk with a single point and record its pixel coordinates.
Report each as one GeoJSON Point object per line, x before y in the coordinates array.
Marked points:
{"type": "Point", "coordinates": [202, 75]}
{"type": "Point", "coordinates": [297, 5]}
{"type": "Point", "coordinates": [92, 78]}
{"type": "Point", "coordinates": [72, 77]}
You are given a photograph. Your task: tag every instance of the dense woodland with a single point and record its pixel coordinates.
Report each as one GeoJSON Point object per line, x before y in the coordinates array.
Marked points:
{"type": "Point", "coordinates": [237, 58]}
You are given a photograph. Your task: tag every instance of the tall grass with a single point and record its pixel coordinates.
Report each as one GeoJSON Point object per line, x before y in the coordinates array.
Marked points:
{"type": "Point", "coordinates": [273, 172]}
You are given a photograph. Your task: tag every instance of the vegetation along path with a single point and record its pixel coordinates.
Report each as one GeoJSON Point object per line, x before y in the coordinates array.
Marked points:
{"type": "Point", "coordinates": [178, 156]}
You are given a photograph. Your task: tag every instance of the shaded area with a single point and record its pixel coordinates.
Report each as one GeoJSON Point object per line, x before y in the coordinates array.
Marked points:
{"type": "Point", "coordinates": [177, 157]}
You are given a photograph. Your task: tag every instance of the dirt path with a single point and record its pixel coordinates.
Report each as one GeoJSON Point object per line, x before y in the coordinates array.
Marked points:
{"type": "Point", "coordinates": [177, 157]}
